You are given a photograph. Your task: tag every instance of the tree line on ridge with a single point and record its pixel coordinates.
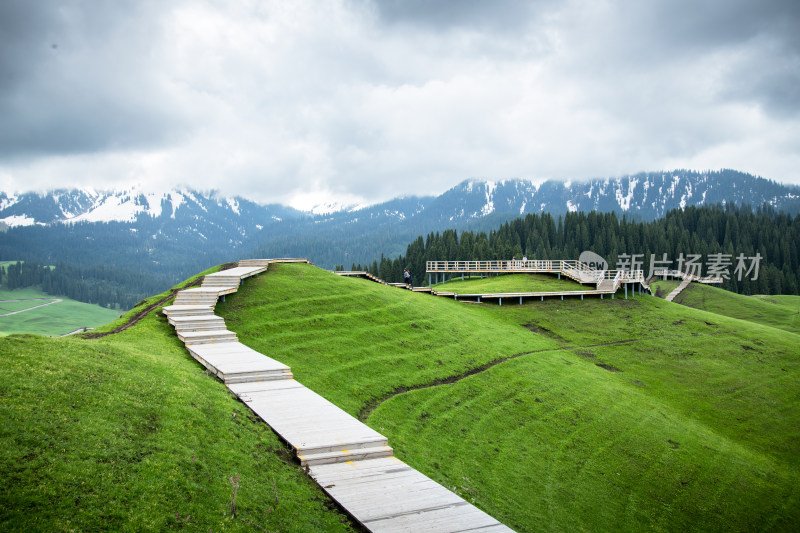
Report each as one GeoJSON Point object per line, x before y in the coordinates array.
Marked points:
{"type": "Point", "coordinates": [766, 240]}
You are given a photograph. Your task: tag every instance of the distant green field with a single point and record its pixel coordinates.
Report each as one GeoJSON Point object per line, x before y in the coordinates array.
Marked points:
{"type": "Point", "coordinates": [512, 283]}
{"type": "Point", "coordinates": [595, 415]}
{"type": "Point", "coordinates": [782, 311]}
{"type": "Point", "coordinates": [52, 320]}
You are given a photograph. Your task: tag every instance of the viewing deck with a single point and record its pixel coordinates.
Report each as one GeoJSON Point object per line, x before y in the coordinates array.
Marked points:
{"type": "Point", "coordinates": [606, 281]}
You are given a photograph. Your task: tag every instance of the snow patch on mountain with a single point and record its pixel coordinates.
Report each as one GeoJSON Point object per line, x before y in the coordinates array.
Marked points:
{"type": "Point", "coordinates": [111, 208]}
{"type": "Point", "coordinates": [19, 220]}
{"type": "Point", "coordinates": [490, 187]}
{"type": "Point", "coordinates": [624, 202]}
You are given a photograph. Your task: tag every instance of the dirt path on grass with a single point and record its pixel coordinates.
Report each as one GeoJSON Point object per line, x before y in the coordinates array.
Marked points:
{"type": "Point", "coordinates": [54, 301]}
{"type": "Point", "coordinates": [133, 320]}
{"type": "Point", "coordinates": [565, 346]}
{"type": "Point", "coordinates": [367, 410]}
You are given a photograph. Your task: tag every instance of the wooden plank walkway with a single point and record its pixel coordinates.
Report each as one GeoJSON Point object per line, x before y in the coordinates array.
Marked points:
{"type": "Point", "coordinates": [352, 462]}
{"type": "Point", "coordinates": [608, 282]}
{"type": "Point", "coordinates": [677, 290]}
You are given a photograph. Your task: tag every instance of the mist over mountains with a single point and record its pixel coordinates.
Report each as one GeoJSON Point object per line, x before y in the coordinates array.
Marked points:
{"type": "Point", "coordinates": [174, 234]}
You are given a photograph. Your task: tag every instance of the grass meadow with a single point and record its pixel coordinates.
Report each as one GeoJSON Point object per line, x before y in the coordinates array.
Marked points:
{"type": "Point", "coordinates": [595, 415]}
{"type": "Point", "coordinates": [52, 320]}
{"type": "Point", "coordinates": [781, 311]}
{"type": "Point", "coordinates": [507, 283]}
{"type": "Point", "coordinates": [128, 433]}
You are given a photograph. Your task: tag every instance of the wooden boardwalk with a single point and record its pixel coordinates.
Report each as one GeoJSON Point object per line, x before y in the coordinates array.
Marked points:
{"type": "Point", "coordinates": [352, 462]}
{"type": "Point", "coordinates": [607, 282]}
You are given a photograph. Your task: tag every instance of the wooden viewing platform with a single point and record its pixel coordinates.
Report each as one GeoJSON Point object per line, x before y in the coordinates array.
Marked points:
{"type": "Point", "coordinates": [607, 281]}
{"type": "Point", "coordinates": [352, 462]}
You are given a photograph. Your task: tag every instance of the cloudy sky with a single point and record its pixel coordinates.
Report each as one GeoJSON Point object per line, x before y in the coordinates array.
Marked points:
{"type": "Point", "coordinates": [303, 102]}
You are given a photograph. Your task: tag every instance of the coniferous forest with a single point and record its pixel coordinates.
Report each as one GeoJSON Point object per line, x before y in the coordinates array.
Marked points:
{"type": "Point", "coordinates": [103, 285]}
{"type": "Point", "coordinates": [718, 233]}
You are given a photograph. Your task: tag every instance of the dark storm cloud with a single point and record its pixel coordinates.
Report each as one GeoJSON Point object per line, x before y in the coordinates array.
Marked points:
{"type": "Point", "coordinates": [763, 36]}
{"type": "Point", "coordinates": [445, 14]}
{"type": "Point", "coordinates": [75, 77]}
{"type": "Point", "coordinates": [755, 45]}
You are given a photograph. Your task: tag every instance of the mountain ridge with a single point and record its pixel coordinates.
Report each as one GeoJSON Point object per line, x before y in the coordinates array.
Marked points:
{"type": "Point", "coordinates": [646, 194]}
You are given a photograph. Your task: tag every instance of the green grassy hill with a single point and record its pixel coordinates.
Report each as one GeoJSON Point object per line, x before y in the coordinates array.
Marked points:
{"type": "Point", "coordinates": [596, 415]}
{"type": "Point", "coordinates": [781, 312]}
{"type": "Point", "coordinates": [511, 283]}
{"type": "Point", "coordinates": [128, 433]}
{"type": "Point", "coordinates": [52, 320]}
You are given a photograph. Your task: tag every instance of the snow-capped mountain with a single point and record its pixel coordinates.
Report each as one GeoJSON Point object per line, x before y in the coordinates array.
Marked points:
{"type": "Point", "coordinates": [185, 231]}
{"type": "Point", "coordinates": [646, 195]}
{"type": "Point", "coordinates": [129, 205]}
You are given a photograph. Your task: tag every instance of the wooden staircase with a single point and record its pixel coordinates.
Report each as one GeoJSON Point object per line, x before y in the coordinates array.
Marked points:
{"type": "Point", "coordinates": [353, 463]}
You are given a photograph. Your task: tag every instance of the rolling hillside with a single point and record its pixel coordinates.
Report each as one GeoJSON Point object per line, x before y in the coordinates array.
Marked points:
{"type": "Point", "coordinates": [778, 311]}
{"type": "Point", "coordinates": [601, 415]}
{"type": "Point", "coordinates": [588, 416]}
{"type": "Point", "coordinates": [127, 433]}
{"type": "Point", "coordinates": [43, 314]}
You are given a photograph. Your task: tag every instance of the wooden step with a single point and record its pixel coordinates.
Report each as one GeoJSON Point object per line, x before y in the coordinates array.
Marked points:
{"type": "Point", "coordinates": [196, 299]}
{"type": "Point", "coordinates": [343, 456]}
{"type": "Point", "coordinates": [187, 310]}
{"type": "Point", "coordinates": [378, 441]}
{"type": "Point", "coordinates": [206, 318]}
{"type": "Point", "coordinates": [207, 337]}
{"type": "Point", "coordinates": [189, 323]}
{"type": "Point", "coordinates": [232, 281]}
{"type": "Point", "coordinates": [248, 377]}
{"type": "Point", "coordinates": [254, 263]}
{"type": "Point", "coordinates": [234, 362]}
{"type": "Point", "coordinates": [238, 272]}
